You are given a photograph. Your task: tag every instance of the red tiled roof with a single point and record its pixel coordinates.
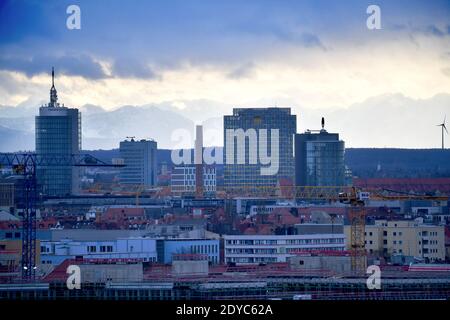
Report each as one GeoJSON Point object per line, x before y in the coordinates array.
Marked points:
{"type": "Point", "coordinates": [129, 212]}
{"type": "Point", "coordinates": [60, 271]}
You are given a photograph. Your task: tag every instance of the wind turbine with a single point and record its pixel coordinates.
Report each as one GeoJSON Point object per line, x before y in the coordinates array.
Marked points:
{"type": "Point", "coordinates": [442, 125]}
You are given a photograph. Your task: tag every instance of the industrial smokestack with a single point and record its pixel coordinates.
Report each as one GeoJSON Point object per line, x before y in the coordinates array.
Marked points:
{"type": "Point", "coordinates": [198, 160]}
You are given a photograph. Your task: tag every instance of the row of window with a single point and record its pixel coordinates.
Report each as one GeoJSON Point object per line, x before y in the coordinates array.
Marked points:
{"type": "Point", "coordinates": [204, 249]}
{"type": "Point", "coordinates": [9, 235]}
{"type": "Point", "coordinates": [252, 260]}
{"type": "Point", "coordinates": [251, 251]}
{"type": "Point", "coordinates": [288, 241]}
{"type": "Point", "coordinates": [102, 249]}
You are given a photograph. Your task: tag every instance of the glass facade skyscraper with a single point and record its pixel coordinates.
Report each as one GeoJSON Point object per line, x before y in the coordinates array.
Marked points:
{"type": "Point", "coordinates": [58, 133]}
{"type": "Point", "coordinates": [139, 158]}
{"type": "Point", "coordinates": [319, 159]}
{"type": "Point", "coordinates": [265, 121]}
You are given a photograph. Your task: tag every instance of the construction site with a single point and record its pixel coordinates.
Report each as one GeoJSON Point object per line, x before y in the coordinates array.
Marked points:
{"type": "Point", "coordinates": [271, 282]}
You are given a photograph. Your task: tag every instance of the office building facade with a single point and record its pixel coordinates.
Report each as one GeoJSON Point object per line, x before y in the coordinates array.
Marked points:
{"type": "Point", "coordinates": [55, 252]}
{"type": "Point", "coordinates": [140, 162]}
{"type": "Point", "coordinates": [167, 248]}
{"type": "Point", "coordinates": [319, 159]}
{"type": "Point", "coordinates": [254, 249]}
{"type": "Point", "coordinates": [183, 180]}
{"type": "Point", "coordinates": [58, 133]}
{"type": "Point", "coordinates": [263, 123]}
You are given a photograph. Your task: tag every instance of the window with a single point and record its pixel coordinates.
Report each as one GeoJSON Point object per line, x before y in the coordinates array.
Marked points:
{"type": "Point", "coordinates": [8, 235]}
{"type": "Point", "coordinates": [92, 249]}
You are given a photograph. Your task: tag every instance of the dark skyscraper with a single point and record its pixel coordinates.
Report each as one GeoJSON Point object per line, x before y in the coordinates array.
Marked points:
{"type": "Point", "coordinates": [319, 159]}
{"type": "Point", "coordinates": [140, 162]}
{"type": "Point", "coordinates": [58, 132]}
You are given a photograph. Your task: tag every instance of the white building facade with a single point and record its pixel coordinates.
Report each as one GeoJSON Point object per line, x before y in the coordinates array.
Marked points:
{"type": "Point", "coordinates": [255, 249]}
{"type": "Point", "coordinates": [183, 180]}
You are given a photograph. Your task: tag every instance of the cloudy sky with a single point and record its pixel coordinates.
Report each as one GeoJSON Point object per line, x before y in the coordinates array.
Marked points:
{"type": "Point", "coordinates": [304, 54]}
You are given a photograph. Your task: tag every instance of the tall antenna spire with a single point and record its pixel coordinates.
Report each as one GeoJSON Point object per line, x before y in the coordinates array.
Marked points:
{"type": "Point", "coordinates": [53, 94]}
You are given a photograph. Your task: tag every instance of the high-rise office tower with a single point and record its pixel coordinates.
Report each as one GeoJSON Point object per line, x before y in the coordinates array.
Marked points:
{"type": "Point", "coordinates": [58, 133]}
{"type": "Point", "coordinates": [319, 158]}
{"type": "Point", "coordinates": [140, 162]}
{"type": "Point", "coordinates": [258, 148]}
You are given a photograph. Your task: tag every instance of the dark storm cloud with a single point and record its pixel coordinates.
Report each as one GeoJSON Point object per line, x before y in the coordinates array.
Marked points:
{"type": "Point", "coordinates": [134, 34]}
{"type": "Point", "coordinates": [81, 65]}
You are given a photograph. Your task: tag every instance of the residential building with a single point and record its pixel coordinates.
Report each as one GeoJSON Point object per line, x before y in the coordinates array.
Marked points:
{"type": "Point", "coordinates": [139, 158]}
{"type": "Point", "coordinates": [58, 134]}
{"type": "Point", "coordinates": [183, 180]}
{"type": "Point", "coordinates": [250, 134]}
{"type": "Point", "coordinates": [405, 237]}
{"type": "Point", "coordinates": [319, 159]}
{"type": "Point", "coordinates": [255, 249]}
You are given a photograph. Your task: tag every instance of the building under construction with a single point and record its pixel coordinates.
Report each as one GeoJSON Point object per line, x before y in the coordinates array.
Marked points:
{"type": "Point", "coordinates": [274, 281]}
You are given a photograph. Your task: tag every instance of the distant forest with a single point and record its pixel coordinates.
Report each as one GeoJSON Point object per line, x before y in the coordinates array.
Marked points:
{"type": "Point", "coordinates": [398, 163]}
{"type": "Point", "coordinates": [364, 162]}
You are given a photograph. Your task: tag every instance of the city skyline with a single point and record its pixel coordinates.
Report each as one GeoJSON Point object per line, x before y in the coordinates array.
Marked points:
{"type": "Point", "coordinates": [296, 55]}
{"type": "Point", "coordinates": [224, 153]}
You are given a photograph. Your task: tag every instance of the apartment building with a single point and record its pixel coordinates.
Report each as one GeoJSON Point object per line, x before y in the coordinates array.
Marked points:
{"type": "Point", "coordinates": [255, 249]}
{"type": "Point", "coordinates": [405, 237]}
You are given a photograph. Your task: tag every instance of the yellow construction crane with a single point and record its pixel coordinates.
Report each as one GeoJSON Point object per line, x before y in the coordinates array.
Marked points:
{"type": "Point", "coordinates": [343, 194]}
{"type": "Point", "coordinates": [138, 193]}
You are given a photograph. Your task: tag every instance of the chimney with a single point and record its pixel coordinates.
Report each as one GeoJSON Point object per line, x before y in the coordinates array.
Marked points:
{"type": "Point", "coordinates": [198, 160]}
